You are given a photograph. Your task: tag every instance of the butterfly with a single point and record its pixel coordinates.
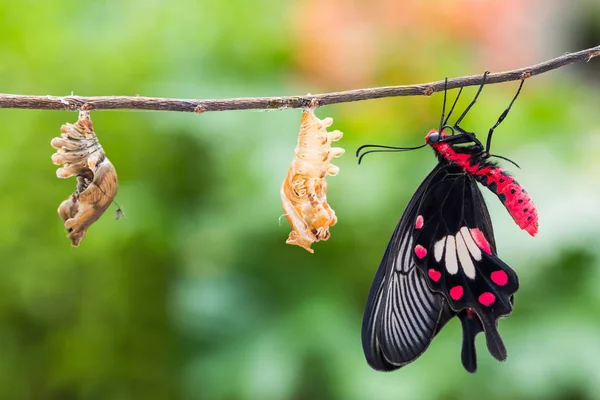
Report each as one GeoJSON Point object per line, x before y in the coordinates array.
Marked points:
{"type": "Point", "coordinates": [441, 261]}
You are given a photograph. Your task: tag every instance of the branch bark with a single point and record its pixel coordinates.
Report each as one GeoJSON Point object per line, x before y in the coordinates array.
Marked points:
{"type": "Point", "coordinates": [75, 103]}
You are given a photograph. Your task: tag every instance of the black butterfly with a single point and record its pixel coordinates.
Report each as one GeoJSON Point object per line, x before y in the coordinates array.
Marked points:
{"type": "Point", "coordinates": [441, 261]}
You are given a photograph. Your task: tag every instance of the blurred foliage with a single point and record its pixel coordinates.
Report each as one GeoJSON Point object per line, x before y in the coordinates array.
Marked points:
{"type": "Point", "coordinates": [195, 295]}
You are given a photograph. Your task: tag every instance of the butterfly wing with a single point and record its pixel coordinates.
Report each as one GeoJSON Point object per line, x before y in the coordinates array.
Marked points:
{"type": "Point", "coordinates": [403, 314]}
{"type": "Point", "coordinates": [455, 249]}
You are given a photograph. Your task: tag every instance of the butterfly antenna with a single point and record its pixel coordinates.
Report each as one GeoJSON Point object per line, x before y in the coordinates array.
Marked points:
{"type": "Point", "coordinates": [375, 146]}
{"type": "Point", "coordinates": [382, 149]}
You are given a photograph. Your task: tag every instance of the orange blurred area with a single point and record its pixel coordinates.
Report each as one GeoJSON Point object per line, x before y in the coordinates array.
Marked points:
{"type": "Point", "coordinates": [344, 42]}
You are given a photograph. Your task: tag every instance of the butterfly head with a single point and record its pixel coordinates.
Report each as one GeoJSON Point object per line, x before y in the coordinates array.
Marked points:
{"type": "Point", "coordinates": [434, 137]}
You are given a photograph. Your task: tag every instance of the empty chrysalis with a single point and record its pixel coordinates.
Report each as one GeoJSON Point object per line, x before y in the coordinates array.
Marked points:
{"type": "Point", "coordinates": [304, 190]}
{"type": "Point", "coordinates": [82, 156]}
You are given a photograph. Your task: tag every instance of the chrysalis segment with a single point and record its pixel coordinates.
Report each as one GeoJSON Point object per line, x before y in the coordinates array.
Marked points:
{"type": "Point", "coordinates": [81, 155]}
{"type": "Point", "coordinates": [304, 190]}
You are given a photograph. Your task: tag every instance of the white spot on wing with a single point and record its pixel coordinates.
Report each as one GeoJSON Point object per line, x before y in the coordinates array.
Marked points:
{"type": "Point", "coordinates": [451, 261]}
{"type": "Point", "coordinates": [464, 256]}
{"type": "Point", "coordinates": [438, 249]}
{"type": "Point", "coordinates": [473, 248]}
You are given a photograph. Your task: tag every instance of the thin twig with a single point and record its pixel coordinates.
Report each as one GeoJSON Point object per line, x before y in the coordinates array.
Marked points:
{"type": "Point", "coordinates": [75, 103]}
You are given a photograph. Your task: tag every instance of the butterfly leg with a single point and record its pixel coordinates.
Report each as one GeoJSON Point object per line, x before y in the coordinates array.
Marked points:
{"type": "Point", "coordinates": [464, 137]}
{"type": "Point", "coordinates": [444, 122]}
{"type": "Point", "coordinates": [470, 135]}
{"type": "Point", "coordinates": [443, 105]}
{"type": "Point", "coordinates": [500, 119]}
{"type": "Point", "coordinates": [459, 120]}
{"type": "Point", "coordinates": [451, 109]}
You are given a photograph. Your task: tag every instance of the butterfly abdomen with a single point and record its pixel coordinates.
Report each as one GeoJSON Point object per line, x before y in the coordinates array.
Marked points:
{"type": "Point", "coordinates": [514, 197]}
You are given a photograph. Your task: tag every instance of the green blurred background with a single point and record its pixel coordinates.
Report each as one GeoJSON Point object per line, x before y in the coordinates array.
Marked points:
{"type": "Point", "coordinates": [195, 295]}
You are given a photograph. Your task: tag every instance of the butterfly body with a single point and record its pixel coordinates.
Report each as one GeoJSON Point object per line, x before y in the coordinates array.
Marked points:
{"type": "Point", "coordinates": [472, 159]}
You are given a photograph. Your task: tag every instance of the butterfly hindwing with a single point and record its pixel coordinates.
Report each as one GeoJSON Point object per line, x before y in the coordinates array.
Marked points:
{"type": "Point", "coordinates": [455, 250]}
{"type": "Point", "coordinates": [471, 326]}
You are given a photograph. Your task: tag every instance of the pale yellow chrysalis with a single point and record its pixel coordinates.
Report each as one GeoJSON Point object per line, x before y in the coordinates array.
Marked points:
{"type": "Point", "coordinates": [304, 190]}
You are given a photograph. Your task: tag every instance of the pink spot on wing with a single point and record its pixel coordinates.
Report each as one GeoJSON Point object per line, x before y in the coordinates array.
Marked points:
{"type": "Point", "coordinates": [499, 278]}
{"type": "Point", "coordinates": [480, 240]}
{"type": "Point", "coordinates": [420, 251]}
{"type": "Point", "coordinates": [419, 223]}
{"type": "Point", "coordinates": [487, 299]}
{"type": "Point", "coordinates": [434, 275]}
{"type": "Point", "coordinates": [456, 292]}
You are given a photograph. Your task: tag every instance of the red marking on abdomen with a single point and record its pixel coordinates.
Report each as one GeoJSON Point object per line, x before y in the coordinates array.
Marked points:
{"type": "Point", "coordinates": [513, 196]}
{"type": "Point", "coordinates": [480, 240]}
{"type": "Point", "coordinates": [464, 160]}
{"type": "Point", "coordinates": [434, 275]}
{"type": "Point", "coordinates": [456, 292]}
{"type": "Point", "coordinates": [487, 299]}
{"type": "Point", "coordinates": [420, 251]}
{"type": "Point", "coordinates": [419, 223]}
{"type": "Point", "coordinates": [499, 278]}
{"type": "Point", "coordinates": [511, 193]}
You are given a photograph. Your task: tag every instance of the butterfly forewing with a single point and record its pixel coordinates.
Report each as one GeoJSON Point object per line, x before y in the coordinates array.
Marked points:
{"type": "Point", "coordinates": [402, 314]}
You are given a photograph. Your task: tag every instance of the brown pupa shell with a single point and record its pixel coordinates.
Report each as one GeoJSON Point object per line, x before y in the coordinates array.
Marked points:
{"type": "Point", "coordinates": [81, 155]}
{"type": "Point", "coordinates": [304, 190]}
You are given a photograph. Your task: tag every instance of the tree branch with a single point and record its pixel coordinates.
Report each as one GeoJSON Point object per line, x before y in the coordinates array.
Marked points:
{"type": "Point", "coordinates": [74, 103]}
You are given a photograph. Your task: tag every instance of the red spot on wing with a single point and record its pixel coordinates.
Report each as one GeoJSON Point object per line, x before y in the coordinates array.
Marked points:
{"type": "Point", "coordinates": [419, 223]}
{"type": "Point", "coordinates": [456, 292]}
{"type": "Point", "coordinates": [434, 275]}
{"type": "Point", "coordinates": [480, 240]}
{"type": "Point", "coordinates": [487, 299]}
{"type": "Point", "coordinates": [499, 278]}
{"type": "Point", "coordinates": [420, 251]}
